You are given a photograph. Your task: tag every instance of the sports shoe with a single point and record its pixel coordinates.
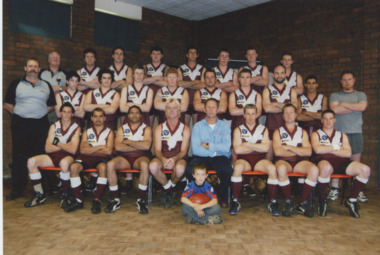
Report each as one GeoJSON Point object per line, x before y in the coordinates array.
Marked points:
{"type": "Point", "coordinates": [288, 209]}
{"type": "Point", "coordinates": [214, 219]}
{"type": "Point", "coordinates": [333, 194]}
{"type": "Point", "coordinates": [273, 208]}
{"type": "Point", "coordinates": [235, 207]}
{"type": "Point", "coordinates": [64, 200]}
{"type": "Point", "coordinates": [73, 205]}
{"type": "Point", "coordinates": [169, 200]}
{"type": "Point", "coordinates": [141, 206]}
{"type": "Point", "coordinates": [362, 198]}
{"type": "Point", "coordinates": [96, 208]}
{"type": "Point", "coordinates": [112, 206]}
{"type": "Point", "coordinates": [247, 190]}
{"type": "Point", "coordinates": [36, 200]}
{"type": "Point", "coordinates": [322, 208]}
{"type": "Point", "coordinates": [304, 210]}
{"type": "Point", "coordinates": [91, 187]}
{"type": "Point", "coordinates": [353, 207]}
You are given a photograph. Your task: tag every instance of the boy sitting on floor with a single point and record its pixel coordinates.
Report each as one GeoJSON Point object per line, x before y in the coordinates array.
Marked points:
{"type": "Point", "coordinates": [206, 213]}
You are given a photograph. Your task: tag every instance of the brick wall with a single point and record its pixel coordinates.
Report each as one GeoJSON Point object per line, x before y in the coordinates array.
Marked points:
{"type": "Point", "coordinates": [325, 38]}
{"type": "Point", "coordinates": [171, 33]}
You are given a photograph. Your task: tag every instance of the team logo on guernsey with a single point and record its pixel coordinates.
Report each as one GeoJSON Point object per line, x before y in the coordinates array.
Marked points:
{"type": "Point", "coordinates": [91, 136]}
{"type": "Point", "coordinates": [127, 130]}
{"type": "Point", "coordinates": [244, 131]}
{"type": "Point", "coordinates": [324, 137]}
{"type": "Point", "coordinates": [304, 102]}
{"type": "Point", "coordinates": [58, 130]}
{"type": "Point", "coordinates": [241, 97]}
{"type": "Point", "coordinates": [284, 135]}
{"type": "Point", "coordinates": [66, 98]}
{"type": "Point", "coordinates": [132, 93]}
{"type": "Point", "coordinates": [187, 72]}
{"type": "Point", "coordinates": [205, 93]}
{"type": "Point", "coordinates": [84, 74]}
{"type": "Point", "coordinates": [166, 132]}
{"type": "Point", "coordinates": [274, 92]}
{"type": "Point", "coordinates": [218, 74]}
{"type": "Point", "coordinates": [97, 95]}
{"type": "Point", "coordinates": [150, 69]}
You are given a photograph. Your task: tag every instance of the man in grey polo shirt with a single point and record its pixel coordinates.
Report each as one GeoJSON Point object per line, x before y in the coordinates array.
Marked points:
{"type": "Point", "coordinates": [28, 100]}
{"type": "Point", "coordinates": [55, 76]}
{"type": "Point", "coordinates": [349, 105]}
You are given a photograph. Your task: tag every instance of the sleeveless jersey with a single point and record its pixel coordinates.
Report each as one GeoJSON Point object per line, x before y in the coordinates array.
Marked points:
{"type": "Point", "coordinates": [135, 96]}
{"type": "Point", "coordinates": [119, 74]}
{"type": "Point", "coordinates": [99, 98]}
{"type": "Point", "coordinates": [311, 106]}
{"type": "Point", "coordinates": [74, 100]}
{"type": "Point", "coordinates": [189, 74]}
{"type": "Point", "coordinates": [65, 136]}
{"type": "Point", "coordinates": [88, 75]}
{"type": "Point", "coordinates": [291, 81]}
{"type": "Point", "coordinates": [291, 138]}
{"type": "Point", "coordinates": [134, 135]}
{"type": "Point", "coordinates": [151, 71]}
{"type": "Point", "coordinates": [255, 135]}
{"type": "Point", "coordinates": [275, 120]}
{"type": "Point", "coordinates": [224, 77]}
{"type": "Point", "coordinates": [256, 71]}
{"type": "Point", "coordinates": [97, 139]}
{"type": "Point", "coordinates": [242, 100]}
{"type": "Point", "coordinates": [166, 95]}
{"type": "Point", "coordinates": [206, 94]}
{"type": "Point", "coordinates": [171, 139]}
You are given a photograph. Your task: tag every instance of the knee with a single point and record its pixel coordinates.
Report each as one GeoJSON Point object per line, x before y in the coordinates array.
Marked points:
{"type": "Point", "coordinates": [238, 170]}
{"type": "Point", "coordinates": [313, 173]}
{"type": "Point", "coordinates": [32, 163]}
{"type": "Point", "coordinates": [75, 169]}
{"type": "Point", "coordinates": [144, 166]}
{"type": "Point", "coordinates": [282, 172]}
{"type": "Point", "coordinates": [365, 171]}
{"type": "Point", "coordinates": [154, 168]}
{"type": "Point", "coordinates": [64, 165]}
{"type": "Point", "coordinates": [102, 170]}
{"type": "Point", "coordinates": [324, 170]}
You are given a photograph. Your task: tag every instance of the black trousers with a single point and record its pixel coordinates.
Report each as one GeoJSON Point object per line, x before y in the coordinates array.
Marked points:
{"type": "Point", "coordinates": [222, 165]}
{"type": "Point", "coordinates": [28, 139]}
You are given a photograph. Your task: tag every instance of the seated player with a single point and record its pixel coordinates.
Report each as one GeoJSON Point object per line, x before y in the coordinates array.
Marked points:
{"type": "Point", "coordinates": [105, 98]}
{"type": "Point", "coordinates": [210, 91]}
{"type": "Point", "coordinates": [251, 142]}
{"type": "Point", "coordinates": [292, 149]}
{"type": "Point", "coordinates": [95, 150]}
{"type": "Point", "coordinates": [61, 145]}
{"type": "Point", "coordinates": [122, 72]}
{"type": "Point", "coordinates": [332, 155]}
{"type": "Point", "coordinates": [132, 144]}
{"type": "Point", "coordinates": [73, 96]}
{"type": "Point", "coordinates": [171, 91]}
{"type": "Point", "coordinates": [171, 142]}
{"type": "Point", "coordinates": [200, 213]}
{"type": "Point", "coordinates": [89, 73]}
{"type": "Point", "coordinates": [241, 97]}
{"type": "Point", "coordinates": [137, 94]}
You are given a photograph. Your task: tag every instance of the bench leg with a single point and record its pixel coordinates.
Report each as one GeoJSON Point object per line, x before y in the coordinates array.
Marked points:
{"type": "Point", "coordinates": [150, 189]}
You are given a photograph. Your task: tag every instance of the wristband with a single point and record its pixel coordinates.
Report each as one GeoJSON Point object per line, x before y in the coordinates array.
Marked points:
{"type": "Point", "coordinates": [336, 147]}
{"type": "Point", "coordinates": [55, 141]}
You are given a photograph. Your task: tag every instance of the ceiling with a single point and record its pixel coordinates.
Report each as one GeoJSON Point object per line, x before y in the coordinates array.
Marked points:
{"type": "Point", "coordinates": [195, 9]}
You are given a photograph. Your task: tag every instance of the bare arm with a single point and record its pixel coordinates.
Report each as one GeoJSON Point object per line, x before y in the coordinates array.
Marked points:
{"type": "Point", "coordinates": [270, 107]}
{"type": "Point", "coordinates": [185, 144]}
{"type": "Point", "coordinates": [232, 107]}
{"type": "Point", "coordinates": [158, 144]}
{"type": "Point", "coordinates": [159, 104]}
{"type": "Point", "coordinates": [247, 147]}
{"type": "Point", "coordinates": [185, 101]}
{"type": "Point", "coordinates": [344, 151]}
{"type": "Point", "coordinates": [222, 103]}
{"type": "Point", "coordinates": [142, 145]}
{"type": "Point", "coordinates": [229, 86]}
{"type": "Point", "coordinates": [49, 146]}
{"type": "Point", "coordinates": [72, 146]}
{"type": "Point", "coordinates": [261, 80]}
{"type": "Point", "coordinates": [197, 102]}
{"type": "Point", "coordinates": [9, 108]}
{"type": "Point", "coordinates": [299, 85]}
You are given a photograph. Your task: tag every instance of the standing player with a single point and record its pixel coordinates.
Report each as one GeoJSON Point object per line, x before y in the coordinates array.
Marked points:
{"type": "Point", "coordinates": [275, 96]}
{"type": "Point", "coordinates": [105, 98]}
{"type": "Point", "coordinates": [132, 145]}
{"type": "Point", "coordinates": [74, 97]}
{"type": "Point", "coordinates": [191, 77]}
{"type": "Point", "coordinates": [310, 106]}
{"type": "Point", "coordinates": [171, 142]}
{"type": "Point", "coordinates": [292, 148]}
{"type": "Point", "coordinates": [227, 78]}
{"type": "Point", "coordinates": [293, 79]}
{"type": "Point", "coordinates": [122, 73]}
{"type": "Point", "coordinates": [259, 73]}
{"type": "Point", "coordinates": [137, 94]}
{"type": "Point", "coordinates": [349, 105]}
{"type": "Point", "coordinates": [251, 142]}
{"type": "Point", "coordinates": [241, 97]}
{"type": "Point", "coordinates": [95, 150]}
{"type": "Point", "coordinates": [210, 91]}
{"type": "Point", "coordinates": [171, 91]}
{"type": "Point", "coordinates": [332, 154]}
{"type": "Point", "coordinates": [89, 73]}
{"type": "Point", "coordinates": [61, 145]}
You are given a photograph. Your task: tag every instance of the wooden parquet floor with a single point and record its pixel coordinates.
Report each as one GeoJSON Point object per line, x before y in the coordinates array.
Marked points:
{"type": "Point", "coordinates": [46, 229]}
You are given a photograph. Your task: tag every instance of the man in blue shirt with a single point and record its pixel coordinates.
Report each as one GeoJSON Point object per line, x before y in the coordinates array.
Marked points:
{"type": "Point", "coordinates": [211, 143]}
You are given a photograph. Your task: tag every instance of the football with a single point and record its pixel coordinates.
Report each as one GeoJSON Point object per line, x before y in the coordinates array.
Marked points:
{"type": "Point", "coordinates": [200, 198]}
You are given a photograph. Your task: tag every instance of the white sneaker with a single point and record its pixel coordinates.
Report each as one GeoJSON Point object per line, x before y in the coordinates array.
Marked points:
{"type": "Point", "coordinates": [333, 194]}
{"type": "Point", "coordinates": [362, 198]}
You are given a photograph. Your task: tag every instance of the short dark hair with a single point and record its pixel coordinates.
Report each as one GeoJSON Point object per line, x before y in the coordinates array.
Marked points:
{"type": "Point", "coordinates": [89, 50]}
{"type": "Point", "coordinates": [201, 166]}
{"type": "Point", "coordinates": [67, 104]}
{"type": "Point", "coordinates": [223, 49]}
{"type": "Point", "coordinates": [103, 71]}
{"type": "Point", "coordinates": [208, 70]}
{"type": "Point", "coordinates": [250, 47]}
{"type": "Point", "coordinates": [245, 70]}
{"type": "Point", "coordinates": [347, 72]}
{"type": "Point", "coordinates": [32, 59]}
{"type": "Point", "coordinates": [212, 99]}
{"type": "Point", "coordinates": [286, 53]}
{"type": "Point", "coordinates": [97, 109]}
{"type": "Point", "coordinates": [327, 111]}
{"type": "Point", "coordinates": [156, 48]}
{"type": "Point", "coordinates": [118, 48]}
{"type": "Point", "coordinates": [138, 66]}
{"type": "Point", "coordinates": [309, 77]}
{"type": "Point", "coordinates": [72, 74]}
{"type": "Point", "coordinates": [288, 105]}
{"type": "Point", "coordinates": [250, 106]}
{"type": "Point", "coordinates": [190, 48]}
{"type": "Point", "coordinates": [134, 106]}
